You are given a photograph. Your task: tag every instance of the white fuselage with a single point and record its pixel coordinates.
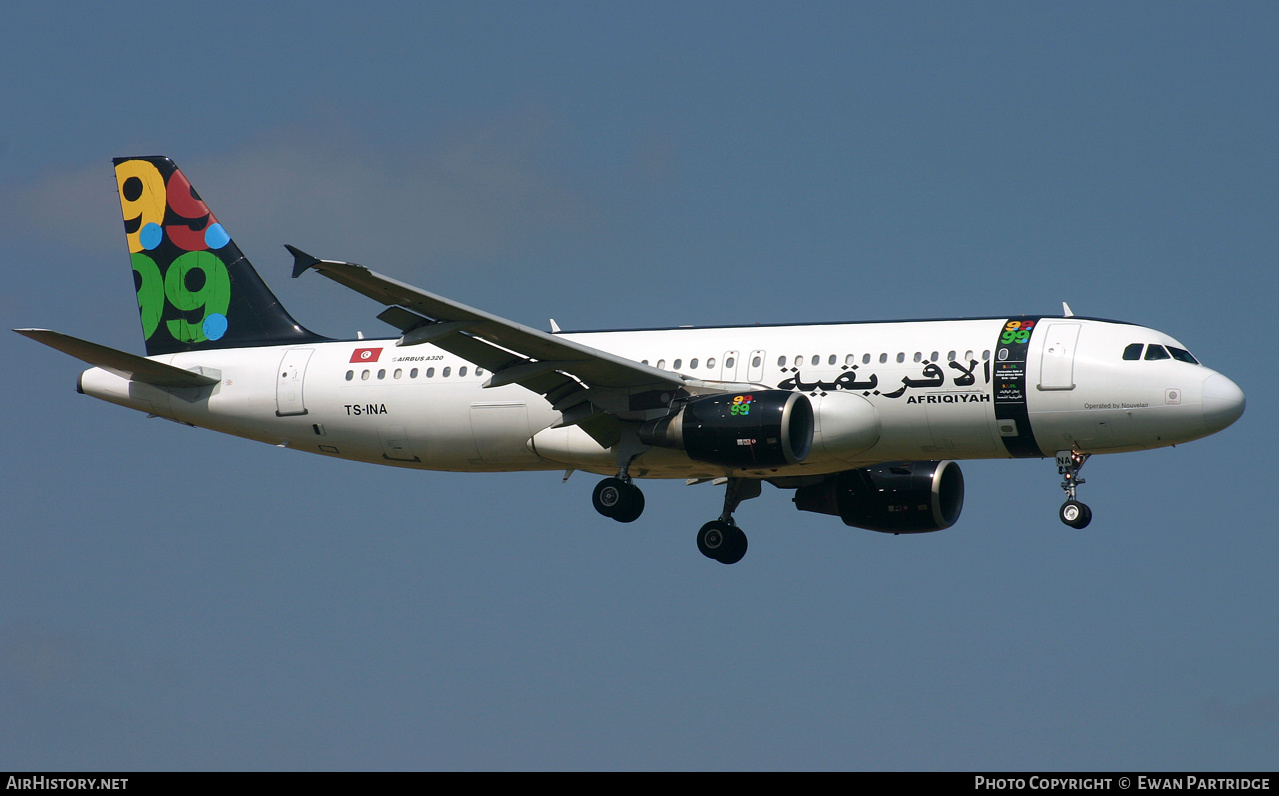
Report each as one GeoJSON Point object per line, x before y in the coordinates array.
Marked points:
{"type": "Point", "coordinates": [884, 391]}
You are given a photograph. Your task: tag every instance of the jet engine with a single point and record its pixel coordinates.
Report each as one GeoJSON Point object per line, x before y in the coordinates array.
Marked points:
{"type": "Point", "coordinates": [770, 428]}
{"type": "Point", "coordinates": [894, 497]}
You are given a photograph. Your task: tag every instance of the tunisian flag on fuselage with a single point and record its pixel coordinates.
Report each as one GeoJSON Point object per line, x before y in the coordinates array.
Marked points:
{"type": "Point", "coordinates": [366, 354]}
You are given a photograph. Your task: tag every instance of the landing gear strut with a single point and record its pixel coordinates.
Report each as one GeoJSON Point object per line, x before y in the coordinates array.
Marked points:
{"type": "Point", "coordinates": [617, 497]}
{"type": "Point", "coordinates": [721, 539]}
{"type": "Point", "coordinates": [1073, 513]}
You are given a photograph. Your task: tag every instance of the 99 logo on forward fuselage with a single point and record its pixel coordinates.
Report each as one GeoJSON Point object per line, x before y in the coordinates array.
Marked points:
{"type": "Point", "coordinates": [184, 274]}
{"type": "Point", "coordinates": [1016, 332]}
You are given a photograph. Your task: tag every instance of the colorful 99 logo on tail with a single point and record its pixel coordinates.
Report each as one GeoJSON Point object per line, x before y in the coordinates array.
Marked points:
{"type": "Point", "coordinates": [182, 281]}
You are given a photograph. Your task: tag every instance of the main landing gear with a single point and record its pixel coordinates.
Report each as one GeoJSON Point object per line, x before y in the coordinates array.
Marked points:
{"type": "Point", "coordinates": [721, 539]}
{"type": "Point", "coordinates": [1073, 513]}
{"type": "Point", "coordinates": [618, 498]}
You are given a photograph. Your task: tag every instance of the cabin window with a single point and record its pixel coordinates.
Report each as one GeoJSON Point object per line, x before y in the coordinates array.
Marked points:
{"type": "Point", "coordinates": [398, 373]}
{"type": "Point", "coordinates": [350, 374]}
{"type": "Point", "coordinates": [445, 373]}
{"type": "Point", "coordinates": [461, 371]}
{"type": "Point", "coordinates": [968, 355]}
{"type": "Point", "coordinates": [756, 362]}
{"type": "Point", "coordinates": [781, 362]}
{"type": "Point", "coordinates": [430, 373]}
{"type": "Point", "coordinates": [710, 363]}
{"type": "Point", "coordinates": [413, 373]}
{"type": "Point", "coordinates": [676, 364]}
{"type": "Point", "coordinates": [728, 363]}
{"type": "Point", "coordinates": [985, 355]}
{"type": "Point", "coordinates": [692, 363]}
{"type": "Point", "coordinates": [830, 360]}
{"type": "Point", "coordinates": [865, 359]}
{"type": "Point", "coordinates": [817, 359]}
{"type": "Point", "coordinates": [933, 357]}
{"type": "Point", "coordinates": [1155, 352]}
{"type": "Point", "coordinates": [918, 356]}
{"type": "Point", "coordinates": [850, 359]}
{"type": "Point", "coordinates": [364, 376]}
{"type": "Point", "coordinates": [643, 361]}
{"type": "Point", "coordinates": [381, 374]}
{"type": "Point", "coordinates": [479, 371]}
{"type": "Point", "coordinates": [661, 363]}
{"type": "Point", "coordinates": [1182, 355]}
{"type": "Point", "coordinates": [1133, 351]}
{"type": "Point", "coordinates": [901, 356]}
{"type": "Point", "coordinates": [950, 356]}
{"type": "Point", "coordinates": [883, 358]}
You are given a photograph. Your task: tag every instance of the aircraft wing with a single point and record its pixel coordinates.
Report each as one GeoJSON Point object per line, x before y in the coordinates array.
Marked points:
{"type": "Point", "coordinates": [580, 381]}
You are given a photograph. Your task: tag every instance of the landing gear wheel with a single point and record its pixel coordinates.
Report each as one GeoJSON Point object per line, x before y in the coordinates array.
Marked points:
{"type": "Point", "coordinates": [617, 499]}
{"type": "Point", "coordinates": [723, 542]}
{"type": "Point", "coordinates": [1075, 514]}
{"type": "Point", "coordinates": [736, 548]}
{"type": "Point", "coordinates": [713, 538]}
{"type": "Point", "coordinates": [636, 508]}
{"type": "Point", "coordinates": [609, 496]}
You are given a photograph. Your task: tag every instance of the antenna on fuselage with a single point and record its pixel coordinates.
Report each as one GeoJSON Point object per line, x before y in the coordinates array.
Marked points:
{"type": "Point", "coordinates": [1065, 310]}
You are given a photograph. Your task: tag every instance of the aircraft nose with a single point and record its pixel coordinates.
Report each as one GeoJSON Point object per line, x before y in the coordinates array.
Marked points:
{"type": "Point", "coordinates": [1223, 401]}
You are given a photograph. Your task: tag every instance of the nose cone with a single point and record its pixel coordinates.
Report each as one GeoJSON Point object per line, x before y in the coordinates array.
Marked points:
{"type": "Point", "coordinates": [1223, 402]}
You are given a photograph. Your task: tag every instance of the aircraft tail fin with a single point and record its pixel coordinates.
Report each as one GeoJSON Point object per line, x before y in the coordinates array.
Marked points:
{"type": "Point", "coordinates": [196, 290]}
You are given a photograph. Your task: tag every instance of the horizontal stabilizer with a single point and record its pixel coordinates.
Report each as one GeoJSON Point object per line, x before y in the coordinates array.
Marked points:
{"type": "Point", "coordinates": [122, 364]}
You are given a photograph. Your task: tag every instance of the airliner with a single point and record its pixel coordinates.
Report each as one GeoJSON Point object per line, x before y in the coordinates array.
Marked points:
{"type": "Point", "coordinates": [862, 421]}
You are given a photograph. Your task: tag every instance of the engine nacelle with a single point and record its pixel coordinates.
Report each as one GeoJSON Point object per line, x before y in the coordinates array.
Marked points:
{"type": "Point", "coordinates": [894, 497]}
{"type": "Point", "coordinates": [770, 428]}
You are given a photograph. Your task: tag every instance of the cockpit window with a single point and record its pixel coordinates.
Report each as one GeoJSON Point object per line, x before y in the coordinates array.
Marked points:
{"type": "Point", "coordinates": [1156, 352]}
{"type": "Point", "coordinates": [1182, 355]}
{"type": "Point", "coordinates": [1133, 351]}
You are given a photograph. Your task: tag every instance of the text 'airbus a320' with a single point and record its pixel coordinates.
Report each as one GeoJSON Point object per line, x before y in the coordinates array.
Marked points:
{"type": "Point", "coordinates": [864, 421]}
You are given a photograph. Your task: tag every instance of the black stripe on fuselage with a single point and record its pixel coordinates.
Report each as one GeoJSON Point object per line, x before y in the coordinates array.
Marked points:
{"type": "Point", "coordinates": [1009, 385]}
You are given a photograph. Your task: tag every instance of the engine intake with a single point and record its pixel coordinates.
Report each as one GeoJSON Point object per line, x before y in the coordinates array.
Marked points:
{"type": "Point", "coordinates": [770, 428]}
{"type": "Point", "coordinates": [894, 497]}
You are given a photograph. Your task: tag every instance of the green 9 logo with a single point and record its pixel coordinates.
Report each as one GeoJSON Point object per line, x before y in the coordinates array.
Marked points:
{"type": "Point", "coordinates": [150, 292]}
{"type": "Point", "coordinates": [1016, 332]}
{"type": "Point", "coordinates": [212, 293]}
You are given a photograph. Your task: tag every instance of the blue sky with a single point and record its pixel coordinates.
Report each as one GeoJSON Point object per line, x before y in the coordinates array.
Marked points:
{"type": "Point", "coordinates": [176, 599]}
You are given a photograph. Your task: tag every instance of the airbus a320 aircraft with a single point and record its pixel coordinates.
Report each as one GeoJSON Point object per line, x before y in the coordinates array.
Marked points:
{"type": "Point", "coordinates": [863, 421]}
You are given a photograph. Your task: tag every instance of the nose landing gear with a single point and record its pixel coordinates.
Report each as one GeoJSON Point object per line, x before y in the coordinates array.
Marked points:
{"type": "Point", "coordinates": [1073, 513]}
